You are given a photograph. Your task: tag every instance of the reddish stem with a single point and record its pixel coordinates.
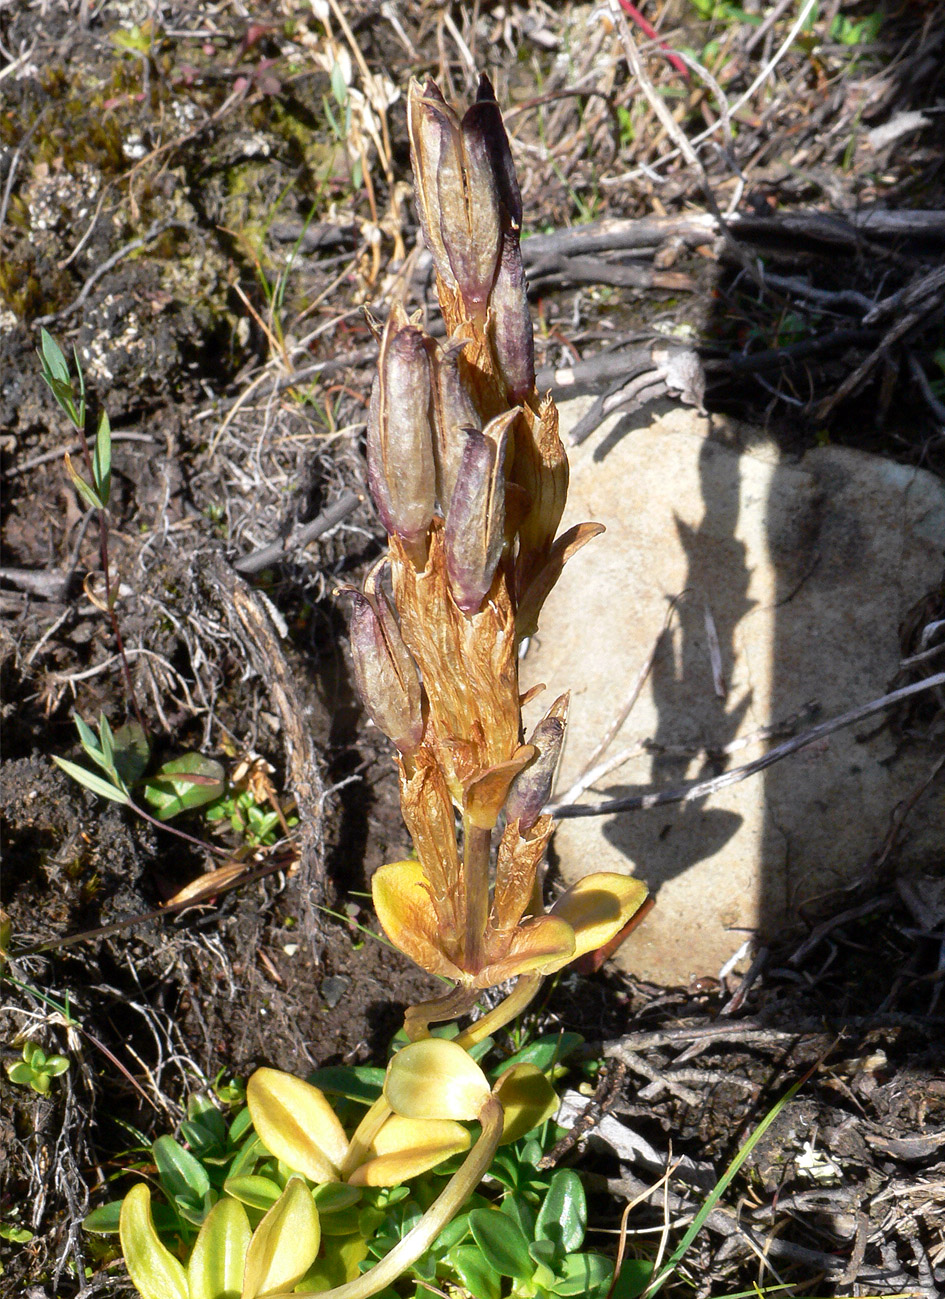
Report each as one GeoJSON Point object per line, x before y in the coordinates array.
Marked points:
{"type": "Point", "coordinates": [649, 30]}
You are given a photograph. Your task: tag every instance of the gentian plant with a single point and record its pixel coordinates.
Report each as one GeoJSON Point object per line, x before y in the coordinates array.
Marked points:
{"type": "Point", "coordinates": [469, 477]}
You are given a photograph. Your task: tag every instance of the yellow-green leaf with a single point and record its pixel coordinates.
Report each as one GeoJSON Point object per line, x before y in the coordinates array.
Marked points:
{"type": "Point", "coordinates": [215, 1270]}
{"type": "Point", "coordinates": [284, 1245]}
{"type": "Point", "coordinates": [296, 1124]}
{"type": "Point", "coordinates": [405, 1148]}
{"type": "Point", "coordinates": [154, 1270]}
{"type": "Point", "coordinates": [597, 907]}
{"type": "Point", "coordinates": [435, 1079]}
{"type": "Point", "coordinates": [527, 1097]}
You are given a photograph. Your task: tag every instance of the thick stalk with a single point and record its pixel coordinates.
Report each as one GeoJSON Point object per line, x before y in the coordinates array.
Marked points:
{"type": "Point", "coordinates": [364, 1134]}
{"type": "Point", "coordinates": [458, 1001]}
{"type": "Point", "coordinates": [419, 1239]}
{"type": "Point", "coordinates": [477, 843]}
{"type": "Point", "coordinates": [521, 995]}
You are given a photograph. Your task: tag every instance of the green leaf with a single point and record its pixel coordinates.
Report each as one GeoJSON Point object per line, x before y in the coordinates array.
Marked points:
{"type": "Point", "coordinates": [184, 783]}
{"type": "Point", "coordinates": [180, 1174]}
{"type": "Point", "coordinates": [215, 1270]}
{"type": "Point", "coordinates": [104, 1220]}
{"type": "Point", "coordinates": [85, 490]}
{"type": "Point", "coordinates": [154, 1270]}
{"type": "Point", "coordinates": [258, 1192]}
{"type": "Point", "coordinates": [333, 1197]}
{"type": "Point", "coordinates": [356, 1082]}
{"type": "Point", "coordinates": [89, 779]}
{"type": "Point", "coordinates": [107, 741]}
{"type": "Point", "coordinates": [562, 1217]}
{"type": "Point", "coordinates": [521, 1213]}
{"type": "Point", "coordinates": [583, 1274]}
{"type": "Point", "coordinates": [634, 1277]}
{"type": "Point", "coordinates": [55, 364]}
{"type": "Point", "coordinates": [284, 1245]}
{"type": "Point", "coordinates": [240, 1125]}
{"type": "Point", "coordinates": [545, 1052]}
{"type": "Point", "coordinates": [246, 1158]}
{"type": "Point", "coordinates": [102, 459]}
{"type": "Point", "coordinates": [55, 1065]}
{"type": "Point", "coordinates": [473, 1271]}
{"type": "Point", "coordinates": [89, 740]}
{"type": "Point", "coordinates": [131, 752]}
{"type": "Point", "coordinates": [502, 1243]}
{"type": "Point", "coordinates": [20, 1072]}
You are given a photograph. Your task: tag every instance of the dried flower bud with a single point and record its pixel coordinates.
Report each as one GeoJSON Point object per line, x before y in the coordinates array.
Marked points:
{"type": "Point", "coordinates": [384, 672]}
{"type": "Point", "coordinates": [512, 336]}
{"type": "Point", "coordinates": [401, 472]}
{"type": "Point", "coordinates": [457, 194]}
{"type": "Point", "coordinates": [484, 121]}
{"type": "Point", "coordinates": [475, 525]}
{"type": "Point", "coordinates": [453, 412]}
{"type": "Point", "coordinates": [531, 790]}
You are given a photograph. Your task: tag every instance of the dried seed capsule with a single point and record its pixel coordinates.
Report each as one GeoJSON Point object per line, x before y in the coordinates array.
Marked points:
{"type": "Point", "coordinates": [384, 672]}
{"type": "Point", "coordinates": [457, 195]}
{"type": "Point", "coordinates": [401, 471]}
{"type": "Point", "coordinates": [453, 412]}
{"type": "Point", "coordinates": [475, 524]}
{"type": "Point", "coordinates": [483, 121]}
{"type": "Point", "coordinates": [512, 336]}
{"type": "Point", "coordinates": [532, 789]}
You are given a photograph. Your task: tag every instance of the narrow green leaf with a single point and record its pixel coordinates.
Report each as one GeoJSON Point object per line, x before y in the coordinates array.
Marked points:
{"type": "Point", "coordinates": [472, 1269]}
{"type": "Point", "coordinates": [53, 357]}
{"type": "Point", "coordinates": [131, 752]}
{"type": "Point", "coordinates": [258, 1192]}
{"type": "Point", "coordinates": [215, 1270]}
{"type": "Point", "coordinates": [502, 1243]}
{"type": "Point", "coordinates": [585, 1275]}
{"type": "Point", "coordinates": [88, 739]}
{"type": "Point", "coordinates": [250, 1152]}
{"type": "Point", "coordinates": [108, 743]}
{"type": "Point", "coordinates": [89, 779]}
{"type": "Point", "coordinates": [85, 490]}
{"type": "Point", "coordinates": [104, 1220]}
{"type": "Point", "coordinates": [102, 459]}
{"type": "Point", "coordinates": [635, 1275]}
{"type": "Point", "coordinates": [546, 1052]}
{"type": "Point", "coordinates": [712, 1199]}
{"type": "Point", "coordinates": [361, 1083]}
{"type": "Point", "coordinates": [183, 784]}
{"type": "Point", "coordinates": [562, 1217]}
{"type": "Point", "coordinates": [154, 1270]}
{"type": "Point", "coordinates": [180, 1173]}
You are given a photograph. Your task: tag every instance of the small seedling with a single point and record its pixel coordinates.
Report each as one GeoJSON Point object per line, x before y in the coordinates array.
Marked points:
{"type": "Point", "coordinates": [37, 1069]}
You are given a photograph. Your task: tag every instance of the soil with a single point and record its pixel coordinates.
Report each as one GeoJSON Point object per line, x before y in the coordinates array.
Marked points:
{"type": "Point", "coordinates": [189, 200]}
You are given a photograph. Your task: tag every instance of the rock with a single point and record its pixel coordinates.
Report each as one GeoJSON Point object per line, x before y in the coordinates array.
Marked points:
{"type": "Point", "coordinates": [803, 571]}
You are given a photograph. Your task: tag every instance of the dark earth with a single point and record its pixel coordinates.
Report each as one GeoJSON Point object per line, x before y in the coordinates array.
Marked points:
{"type": "Point", "coordinates": [200, 199]}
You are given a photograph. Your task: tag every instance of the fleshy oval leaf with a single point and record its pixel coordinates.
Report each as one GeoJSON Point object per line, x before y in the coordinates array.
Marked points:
{"type": "Point", "coordinates": [527, 1097]}
{"type": "Point", "coordinates": [155, 1271]}
{"type": "Point", "coordinates": [405, 1148]}
{"type": "Point", "coordinates": [435, 1079]}
{"type": "Point", "coordinates": [295, 1122]}
{"type": "Point", "coordinates": [284, 1245]}
{"type": "Point", "coordinates": [597, 907]}
{"type": "Point", "coordinates": [215, 1269]}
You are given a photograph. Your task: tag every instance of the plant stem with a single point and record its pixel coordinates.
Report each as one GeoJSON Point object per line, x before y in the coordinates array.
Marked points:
{"type": "Point", "coordinates": [477, 843]}
{"type": "Point", "coordinates": [521, 995]}
{"type": "Point", "coordinates": [419, 1239]}
{"type": "Point", "coordinates": [458, 1001]}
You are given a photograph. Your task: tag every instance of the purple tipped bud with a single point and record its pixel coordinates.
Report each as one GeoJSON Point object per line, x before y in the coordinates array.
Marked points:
{"type": "Point", "coordinates": [457, 194]}
{"type": "Point", "coordinates": [384, 672]}
{"type": "Point", "coordinates": [512, 337]}
{"type": "Point", "coordinates": [453, 413]}
{"type": "Point", "coordinates": [531, 790]}
{"type": "Point", "coordinates": [484, 120]}
{"type": "Point", "coordinates": [401, 471]}
{"type": "Point", "coordinates": [475, 524]}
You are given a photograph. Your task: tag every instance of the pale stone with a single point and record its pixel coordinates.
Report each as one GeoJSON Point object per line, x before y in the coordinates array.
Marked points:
{"type": "Point", "coordinates": [807, 568]}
